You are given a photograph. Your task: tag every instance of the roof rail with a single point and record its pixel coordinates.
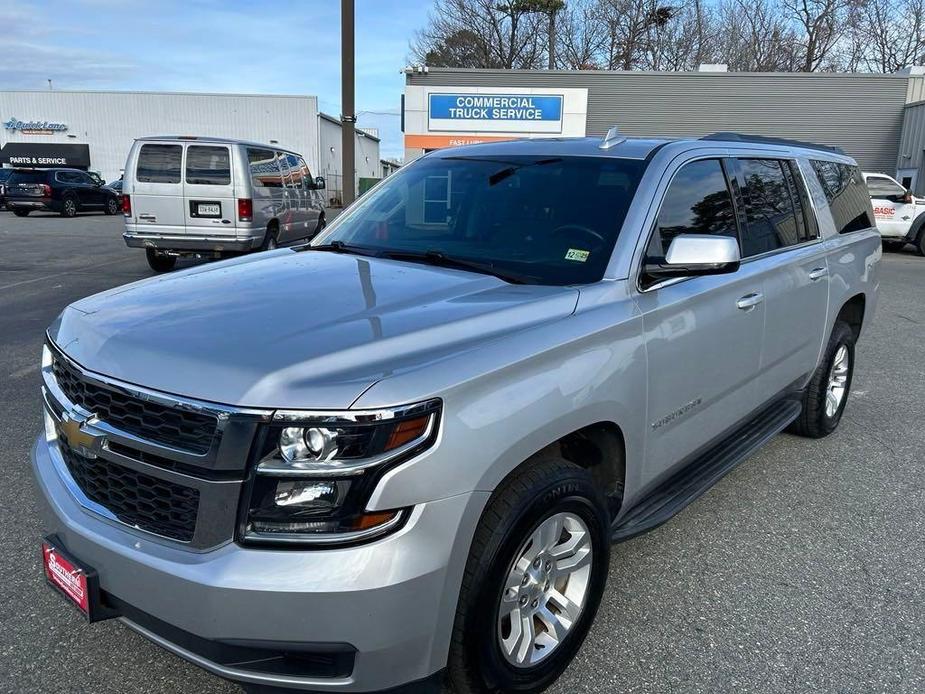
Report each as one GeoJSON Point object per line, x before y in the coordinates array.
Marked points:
{"type": "Point", "coordinates": [764, 140]}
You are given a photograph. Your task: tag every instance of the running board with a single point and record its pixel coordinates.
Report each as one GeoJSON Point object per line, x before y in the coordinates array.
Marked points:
{"type": "Point", "coordinates": [673, 495]}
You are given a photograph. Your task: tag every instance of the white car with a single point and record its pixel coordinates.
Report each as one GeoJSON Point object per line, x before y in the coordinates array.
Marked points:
{"type": "Point", "coordinates": [900, 215]}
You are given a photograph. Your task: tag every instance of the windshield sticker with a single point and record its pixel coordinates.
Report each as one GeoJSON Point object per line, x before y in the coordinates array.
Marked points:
{"type": "Point", "coordinates": [577, 255]}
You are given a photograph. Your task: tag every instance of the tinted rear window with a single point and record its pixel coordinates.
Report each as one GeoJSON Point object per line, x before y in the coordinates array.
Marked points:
{"type": "Point", "coordinates": [5, 174]}
{"type": "Point", "coordinates": [28, 177]}
{"type": "Point", "coordinates": [847, 195]}
{"type": "Point", "coordinates": [208, 166]}
{"type": "Point", "coordinates": [159, 164]}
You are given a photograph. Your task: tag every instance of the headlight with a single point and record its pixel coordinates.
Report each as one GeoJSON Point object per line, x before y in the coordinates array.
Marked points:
{"type": "Point", "coordinates": [317, 470]}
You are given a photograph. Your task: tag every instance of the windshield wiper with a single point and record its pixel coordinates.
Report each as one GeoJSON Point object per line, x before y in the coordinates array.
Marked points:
{"type": "Point", "coordinates": [341, 247]}
{"type": "Point", "coordinates": [439, 258]}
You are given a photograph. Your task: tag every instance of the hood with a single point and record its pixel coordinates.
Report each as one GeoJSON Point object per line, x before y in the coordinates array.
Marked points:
{"type": "Point", "coordinates": [291, 329]}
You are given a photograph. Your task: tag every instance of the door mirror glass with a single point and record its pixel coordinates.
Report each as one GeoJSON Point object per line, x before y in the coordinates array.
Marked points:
{"type": "Point", "coordinates": [694, 255]}
{"type": "Point", "coordinates": [319, 183]}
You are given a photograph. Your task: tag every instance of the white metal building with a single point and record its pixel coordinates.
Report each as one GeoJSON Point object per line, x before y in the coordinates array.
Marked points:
{"type": "Point", "coordinates": [93, 130]}
{"type": "Point", "coordinates": [330, 149]}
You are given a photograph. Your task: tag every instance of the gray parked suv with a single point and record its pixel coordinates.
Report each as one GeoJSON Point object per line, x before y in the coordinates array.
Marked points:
{"type": "Point", "coordinates": [400, 453]}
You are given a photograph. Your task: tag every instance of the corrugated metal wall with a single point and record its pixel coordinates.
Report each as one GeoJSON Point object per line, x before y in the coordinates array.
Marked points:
{"type": "Point", "coordinates": [913, 142]}
{"type": "Point", "coordinates": [861, 113]}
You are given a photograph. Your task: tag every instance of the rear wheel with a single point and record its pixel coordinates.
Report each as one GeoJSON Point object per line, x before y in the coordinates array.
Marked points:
{"type": "Point", "coordinates": [533, 582]}
{"type": "Point", "coordinates": [21, 213]}
{"type": "Point", "coordinates": [271, 239]}
{"type": "Point", "coordinates": [827, 393]}
{"type": "Point", "coordinates": [160, 262]}
{"type": "Point", "coordinates": [69, 207]}
{"type": "Point", "coordinates": [894, 246]}
{"type": "Point", "coordinates": [112, 206]}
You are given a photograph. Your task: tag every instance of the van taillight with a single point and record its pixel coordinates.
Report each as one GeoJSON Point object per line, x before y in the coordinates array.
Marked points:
{"type": "Point", "coordinates": [46, 190]}
{"type": "Point", "coordinates": [245, 209]}
{"type": "Point", "coordinates": [127, 205]}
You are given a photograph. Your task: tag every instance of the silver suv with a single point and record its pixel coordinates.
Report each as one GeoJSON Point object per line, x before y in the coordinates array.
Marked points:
{"type": "Point", "coordinates": [400, 453]}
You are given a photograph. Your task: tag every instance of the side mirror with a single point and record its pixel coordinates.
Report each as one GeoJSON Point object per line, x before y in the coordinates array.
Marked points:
{"type": "Point", "coordinates": [695, 255]}
{"type": "Point", "coordinates": [319, 183]}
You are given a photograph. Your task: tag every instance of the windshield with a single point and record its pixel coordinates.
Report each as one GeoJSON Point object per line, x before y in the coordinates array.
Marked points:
{"type": "Point", "coordinates": [539, 219]}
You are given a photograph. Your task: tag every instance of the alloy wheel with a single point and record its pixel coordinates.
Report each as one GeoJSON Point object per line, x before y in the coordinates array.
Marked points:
{"type": "Point", "coordinates": [838, 381]}
{"type": "Point", "coordinates": [546, 590]}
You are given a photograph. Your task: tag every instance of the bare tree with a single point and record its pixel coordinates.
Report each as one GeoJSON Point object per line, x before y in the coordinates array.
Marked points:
{"type": "Point", "coordinates": [581, 36]}
{"type": "Point", "coordinates": [755, 37]}
{"type": "Point", "coordinates": [893, 32]}
{"type": "Point", "coordinates": [820, 24]}
{"type": "Point", "coordinates": [480, 33]}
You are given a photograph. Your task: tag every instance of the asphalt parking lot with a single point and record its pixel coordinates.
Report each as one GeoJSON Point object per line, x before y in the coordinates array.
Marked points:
{"type": "Point", "coordinates": [802, 571]}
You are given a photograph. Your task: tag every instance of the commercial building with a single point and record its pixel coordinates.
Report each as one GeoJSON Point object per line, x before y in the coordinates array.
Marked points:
{"type": "Point", "coordinates": [94, 130]}
{"type": "Point", "coordinates": [868, 115]}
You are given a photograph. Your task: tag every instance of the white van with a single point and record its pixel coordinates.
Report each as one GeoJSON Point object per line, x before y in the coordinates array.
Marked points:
{"type": "Point", "coordinates": [212, 196]}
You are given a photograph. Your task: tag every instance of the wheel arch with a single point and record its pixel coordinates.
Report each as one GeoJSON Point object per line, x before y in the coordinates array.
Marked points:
{"type": "Point", "coordinates": [852, 313]}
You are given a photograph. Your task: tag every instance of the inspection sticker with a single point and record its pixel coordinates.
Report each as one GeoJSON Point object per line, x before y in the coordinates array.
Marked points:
{"type": "Point", "coordinates": [577, 255]}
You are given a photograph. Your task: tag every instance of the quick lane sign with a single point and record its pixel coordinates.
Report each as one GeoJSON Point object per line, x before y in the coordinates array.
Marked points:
{"type": "Point", "coordinates": [495, 112]}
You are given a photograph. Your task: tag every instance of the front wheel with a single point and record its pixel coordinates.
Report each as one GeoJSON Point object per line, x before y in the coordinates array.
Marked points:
{"type": "Point", "coordinates": [533, 582]}
{"type": "Point", "coordinates": [826, 395]}
{"type": "Point", "coordinates": [160, 262]}
{"type": "Point", "coordinates": [920, 243]}
{"type": "Point", "coordinates": [112, 206]}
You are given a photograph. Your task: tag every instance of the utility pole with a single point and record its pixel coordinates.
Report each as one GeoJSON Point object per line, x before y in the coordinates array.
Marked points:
{"type": "Point", "coordinates": [348, 118]}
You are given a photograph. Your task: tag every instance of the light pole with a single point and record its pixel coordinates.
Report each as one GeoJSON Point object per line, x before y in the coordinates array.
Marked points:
{"type": "Point", "coordinates": [348, 118]}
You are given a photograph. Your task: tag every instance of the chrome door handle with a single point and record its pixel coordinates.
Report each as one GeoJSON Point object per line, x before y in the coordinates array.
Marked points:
{"type": "Point", "coordinates": [817, 273]}
{"type": "Point", "coordinates": [749, 301]}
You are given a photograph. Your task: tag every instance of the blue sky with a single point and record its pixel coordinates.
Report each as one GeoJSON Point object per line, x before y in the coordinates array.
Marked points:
{"type": "Point", "coordinates": [267, 46]}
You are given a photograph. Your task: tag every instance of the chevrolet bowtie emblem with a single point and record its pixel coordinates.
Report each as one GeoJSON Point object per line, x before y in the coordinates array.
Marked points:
{"type": "Point", "coordinates": [78, 438]}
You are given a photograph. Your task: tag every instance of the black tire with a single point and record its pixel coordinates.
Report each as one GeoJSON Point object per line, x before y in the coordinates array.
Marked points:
{"type": "Point", "coordinates": [69, 207]}
{"type": "Point", "coordinates": [546, 486]}
{"type": "Point", "coordinates": [814, 422]}
{"type": "Point", "coordinates": [894, 246]}
{"type": "Point", "coordinates": [920, 243]}
{"type": "Point", "coordinates": [322, 223]}
{"type": "Point", "coordinates": [112, 206]}
{"type": "Point", "coordinates": [270, 239]}
{"type": "Point", "coordinates": [21, 213]}
{"type": "Point", "coordinates": [160, 262]}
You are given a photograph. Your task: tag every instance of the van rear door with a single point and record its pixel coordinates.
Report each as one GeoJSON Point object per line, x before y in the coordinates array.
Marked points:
{"type": "Point", "coordinates": [208, 190]}
{"type": "Point", "coordinates": [157, 197]}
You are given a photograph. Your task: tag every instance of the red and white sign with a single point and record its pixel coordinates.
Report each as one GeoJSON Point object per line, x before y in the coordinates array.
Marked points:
{"type": "Point", "coordinates": [69, 579]}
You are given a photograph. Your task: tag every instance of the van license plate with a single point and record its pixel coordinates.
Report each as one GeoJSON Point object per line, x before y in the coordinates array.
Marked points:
{"type": "Point", "coordinates": [208, 209]}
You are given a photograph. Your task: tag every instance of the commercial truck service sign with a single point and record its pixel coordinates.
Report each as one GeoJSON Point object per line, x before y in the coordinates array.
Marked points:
{"type": "Point", "coordinates": [495, 112]}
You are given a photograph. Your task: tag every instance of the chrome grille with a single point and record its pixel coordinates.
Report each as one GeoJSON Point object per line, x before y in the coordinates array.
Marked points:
{"type": "Point", "coordinates": [188, 431]}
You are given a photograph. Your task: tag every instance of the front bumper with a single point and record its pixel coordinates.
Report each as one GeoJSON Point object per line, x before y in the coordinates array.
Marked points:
{"type": "Point", "coordinates": [191, 243]}
{"type": "Point", "coordinates": [393, 601]}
